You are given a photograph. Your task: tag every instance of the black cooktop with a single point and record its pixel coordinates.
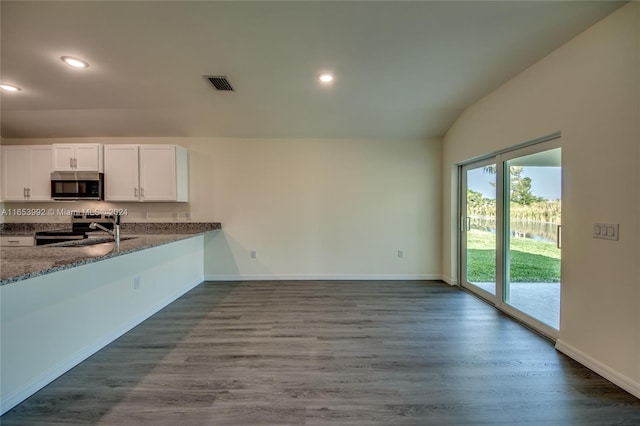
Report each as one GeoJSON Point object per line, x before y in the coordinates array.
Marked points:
{"type": "Point", "coordinates": [59, 233]}
{"type": "Point", "coordinates": [52, 237]}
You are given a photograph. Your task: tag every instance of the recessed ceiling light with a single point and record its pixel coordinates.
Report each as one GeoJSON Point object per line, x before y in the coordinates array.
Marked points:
{"type": "Point", "coordinates": [326, 78]}
{"type": "Point", "coordinates": [9, 87]}
{"type": "Point", "coordinates": [74, 62]}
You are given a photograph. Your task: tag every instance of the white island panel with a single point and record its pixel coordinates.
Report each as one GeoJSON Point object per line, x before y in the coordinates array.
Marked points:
{"type": "Point", "coordinates": [52, 322]}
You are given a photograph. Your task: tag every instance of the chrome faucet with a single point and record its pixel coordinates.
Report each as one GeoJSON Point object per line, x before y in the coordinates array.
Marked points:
{"type": "Point", "coordinates": [115, 232]}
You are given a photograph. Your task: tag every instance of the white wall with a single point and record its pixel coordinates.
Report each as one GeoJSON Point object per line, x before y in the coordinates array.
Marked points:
{"type": "Point", "coordinates": [588, 90]}
{"type": "Point", "coordinates": [310, 208]}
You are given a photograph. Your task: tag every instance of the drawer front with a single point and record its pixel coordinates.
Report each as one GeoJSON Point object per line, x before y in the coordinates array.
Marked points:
{"type": "Point", "coordinates": [22, 241]}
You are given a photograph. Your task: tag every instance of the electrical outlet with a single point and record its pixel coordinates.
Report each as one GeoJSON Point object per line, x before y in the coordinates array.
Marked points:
{"type": "Point", "coordinates": [136, 283]}
{"type": "Point", "coordinates": [400, 254]}
{"type": "Point", "coordinates": [253, 254]}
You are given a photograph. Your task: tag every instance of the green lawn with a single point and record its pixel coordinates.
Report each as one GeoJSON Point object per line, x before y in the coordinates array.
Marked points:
{"type": "Point", "coordinates": [531, 261]}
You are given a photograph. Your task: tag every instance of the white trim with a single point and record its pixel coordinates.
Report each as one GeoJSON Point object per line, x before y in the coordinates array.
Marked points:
{"type": "Point", "coordinates": [323, 277]}
{"type": "Point", "coordinates": [449, 280]}
{"type": "Point", "coordinates": [617, 378]}
{"type": "Point", "coordinates": [535, 141]}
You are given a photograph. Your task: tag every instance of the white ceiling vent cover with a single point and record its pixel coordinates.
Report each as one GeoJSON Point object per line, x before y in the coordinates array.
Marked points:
{"type": "Point", "coordinates": [220, 83]}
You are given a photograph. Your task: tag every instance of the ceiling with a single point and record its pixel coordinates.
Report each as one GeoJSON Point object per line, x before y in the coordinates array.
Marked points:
{"type": "Point", "coordinates": [402, 69]}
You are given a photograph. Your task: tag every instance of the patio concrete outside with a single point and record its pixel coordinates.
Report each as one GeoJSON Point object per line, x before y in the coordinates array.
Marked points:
{"type": "Point", "coordinates": [539, 300]}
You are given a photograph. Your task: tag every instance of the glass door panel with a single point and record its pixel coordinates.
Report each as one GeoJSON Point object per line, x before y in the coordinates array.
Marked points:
{"type": "Point", "coordinates": [532, 226]}
{"type": "Point", "coordinates": [478, 227]}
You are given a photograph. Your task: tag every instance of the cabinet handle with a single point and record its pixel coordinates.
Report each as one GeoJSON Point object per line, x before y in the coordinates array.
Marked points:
{"type": "Point", "coordinates": [135, 192]}
{"type": "Point", "coordinates": [75, 163]}
{"type": "Point", "coordinates": [28, 192]}
{"type": "Point", "coordinates": [71, 162]}
{"type": "Point", "coordinates": [141, 192]}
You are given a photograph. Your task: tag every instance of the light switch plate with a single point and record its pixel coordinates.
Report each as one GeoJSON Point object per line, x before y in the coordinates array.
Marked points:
{"type": "Point", "coordinates": [606, 231]}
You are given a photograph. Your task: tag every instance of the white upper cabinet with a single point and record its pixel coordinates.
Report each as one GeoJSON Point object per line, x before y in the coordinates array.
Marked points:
{"type": "Point", "coordinates": [121, 181]}
{"type": "Point", "coordinates": [26, 173]}
{"type": "Point", "coordinates": [40, 173]}
{"type": "Point", "coordinates": [86, 157]}
{"type": "Point", "coordinates": [146, 173]}
{"type": "Point", "coordinates": [63, 157]}
{"type": "Point", "coordinates": [15, 172]}
{"type": "Point", "coordinates": [157, 173]}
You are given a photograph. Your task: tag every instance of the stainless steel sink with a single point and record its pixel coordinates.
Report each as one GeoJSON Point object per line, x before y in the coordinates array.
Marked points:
{"type": "Point", "coordinates": [88, 242]}
{"type": "Point", "coordinates": [96, 250]}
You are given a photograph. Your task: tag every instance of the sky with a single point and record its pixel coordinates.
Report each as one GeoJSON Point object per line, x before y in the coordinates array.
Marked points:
{"type": "Point", "coordinates": [545, 181]}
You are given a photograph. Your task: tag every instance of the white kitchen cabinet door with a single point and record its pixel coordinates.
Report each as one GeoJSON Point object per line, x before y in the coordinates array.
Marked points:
{"type": "Point", "coordinates": [63, 156]}
{"type": "Point", "coordinates": [77, 157]}
{"type": "Point", "coordinates": [88, 157]}
{"type": "Point", "coordinates": [164, 173]}
{"type": "Point", "coordinates": [40, 173]}
{"type": "Point", "coordinates": [26, 173]}
{"type": "Point", "coordinates": [157, 173]}
{"type": "Point", "coordinates": [15, 173]}
{"type": "Point", "coordinates": [121, 173]}
{"type": "Point", "coordinates": [147, 173]}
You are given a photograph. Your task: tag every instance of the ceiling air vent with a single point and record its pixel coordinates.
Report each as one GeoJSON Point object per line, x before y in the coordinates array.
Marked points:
{"type": "Point", "coordinates": [220, 83]}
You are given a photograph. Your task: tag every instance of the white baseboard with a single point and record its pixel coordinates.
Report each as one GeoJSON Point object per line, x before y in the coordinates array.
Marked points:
{"type": "Point", "coordinates": [626, 383]}
{"type": "Point", "coordinates": [56, 371]}
{"type": "Point", "coordinates": [328, 277]}
{"type": "Point", "coordinates": [449, 280]}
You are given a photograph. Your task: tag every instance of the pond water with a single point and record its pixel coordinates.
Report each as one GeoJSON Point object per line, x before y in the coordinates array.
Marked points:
{"type": "Point", "coordinates": [539, 231]}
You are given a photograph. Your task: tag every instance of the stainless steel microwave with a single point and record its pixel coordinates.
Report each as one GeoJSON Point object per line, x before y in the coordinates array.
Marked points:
{"type": "Point", "coordinates": [77, 186]}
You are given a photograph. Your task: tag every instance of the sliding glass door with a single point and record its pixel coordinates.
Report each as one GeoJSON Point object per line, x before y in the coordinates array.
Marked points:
{"type": "Point", "coordinates": [478, 227]}
{"type": "Point", "coordinates": [532, 234]}
{"type": "Point", "coordinates": [510, 232]}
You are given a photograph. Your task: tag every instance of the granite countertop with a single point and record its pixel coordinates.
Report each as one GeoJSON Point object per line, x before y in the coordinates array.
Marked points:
{"type": "Point", "coordinates": [21, 263]}
{"type": "Point", "coordinates": [29, 229]}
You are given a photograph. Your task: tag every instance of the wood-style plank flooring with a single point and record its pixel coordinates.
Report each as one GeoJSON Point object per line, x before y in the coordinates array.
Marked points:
{"type": "Point", "coordinates": [344, 353]}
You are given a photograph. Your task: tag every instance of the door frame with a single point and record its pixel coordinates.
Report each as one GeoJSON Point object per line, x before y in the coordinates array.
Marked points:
{"type": "Point", "coordinates": [500, 158]}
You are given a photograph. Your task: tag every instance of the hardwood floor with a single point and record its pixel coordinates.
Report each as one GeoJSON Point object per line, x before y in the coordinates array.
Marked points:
{"type": "Point", "coordinates": [347, 353]}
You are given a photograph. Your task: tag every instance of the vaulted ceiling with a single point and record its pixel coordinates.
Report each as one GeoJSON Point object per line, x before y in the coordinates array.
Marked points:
{"type": "Point", "coordinates": [402, 69]}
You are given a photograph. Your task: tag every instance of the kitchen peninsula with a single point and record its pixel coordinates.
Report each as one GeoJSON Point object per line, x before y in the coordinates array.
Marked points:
{"type": "Point", "coordinates": [29, 262]}
{"type": "Point", "coordinates": [60, 305]}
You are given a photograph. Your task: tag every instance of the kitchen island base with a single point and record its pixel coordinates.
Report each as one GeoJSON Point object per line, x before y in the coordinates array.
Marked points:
{"type": "Point", "coordinates": [51, 323]}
